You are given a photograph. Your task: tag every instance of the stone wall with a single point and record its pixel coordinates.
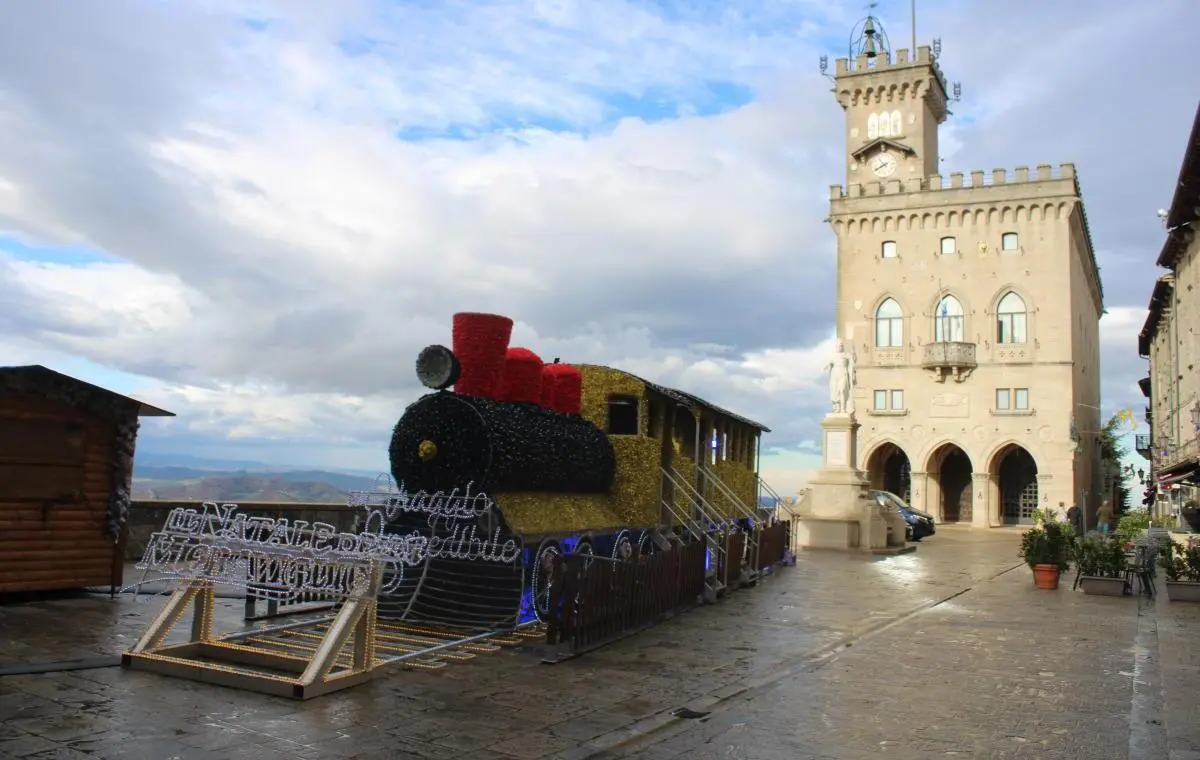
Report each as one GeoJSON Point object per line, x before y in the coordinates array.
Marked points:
{"type": "Point", "coordinates": [146, 517]}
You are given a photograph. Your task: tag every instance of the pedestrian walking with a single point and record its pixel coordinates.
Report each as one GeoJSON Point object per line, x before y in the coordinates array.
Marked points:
{"type": "Point", "coordinates": [1104, 516]}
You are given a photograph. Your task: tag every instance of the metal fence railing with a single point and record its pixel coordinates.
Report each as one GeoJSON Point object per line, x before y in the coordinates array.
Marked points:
{"type": "Point", "coordinates": [596, 600]}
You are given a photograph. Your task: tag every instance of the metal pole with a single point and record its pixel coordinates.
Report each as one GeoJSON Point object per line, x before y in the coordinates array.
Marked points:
{"type": "Point", "coordinates": [914, 30]}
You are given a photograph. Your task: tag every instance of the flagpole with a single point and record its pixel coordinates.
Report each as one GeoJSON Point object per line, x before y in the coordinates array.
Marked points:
{"type": "Point", "coordinates": [913, 6]}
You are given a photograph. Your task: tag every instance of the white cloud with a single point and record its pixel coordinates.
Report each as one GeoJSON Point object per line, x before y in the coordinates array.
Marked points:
{"type": "Point", "coordinates": [284, 255]}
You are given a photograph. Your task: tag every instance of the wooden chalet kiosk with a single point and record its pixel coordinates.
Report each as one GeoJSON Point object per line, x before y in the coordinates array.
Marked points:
{"type": "Point", "coordinates": [66, 462]}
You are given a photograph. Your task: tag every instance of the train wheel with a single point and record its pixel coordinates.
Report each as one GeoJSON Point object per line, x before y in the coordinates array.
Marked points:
{"type": "Point", "coordinates": [622, 547]}
{"type": "Point", "coordinates": [645, 543]}
{"type": "Point", "coordinates": [586, 550]}
{"type": "Point", "coordinates": [542, 582]}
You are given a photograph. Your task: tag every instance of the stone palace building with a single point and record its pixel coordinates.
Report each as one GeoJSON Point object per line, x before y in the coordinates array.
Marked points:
{"type": "Point", "coordinates": [973, 304]}
{"type": "Point", "coordinates": [1170, 339]}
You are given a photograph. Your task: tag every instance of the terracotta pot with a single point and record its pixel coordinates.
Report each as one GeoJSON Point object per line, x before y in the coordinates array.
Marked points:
{"type": "Point", "coordinates": [1045, 576]}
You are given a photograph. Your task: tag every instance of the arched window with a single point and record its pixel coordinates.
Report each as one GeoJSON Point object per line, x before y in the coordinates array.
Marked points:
{"type": "Point", "coordinates": [949, 246]}
{"type": "Point", "coordinates": [895, 124]}
{"type": "Point", "coordinates": [1009, 241]}
{"type": "Point", "coordinates": [1010, 319]}
{"type": "Point", "coordinates": [888, 250]}
{"type": "Point", "coordinates": [948, 321]}
{"type": "Point", "coordinates": [885, 125]}
{"type": "Point", "coordinates": [889, 325]}
{"type": "Point", "coordinates": [872, 126]}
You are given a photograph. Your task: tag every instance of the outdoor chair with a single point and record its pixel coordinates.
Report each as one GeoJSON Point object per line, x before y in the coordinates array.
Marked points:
{"type": "Point", "coordinates": [1142, 568]}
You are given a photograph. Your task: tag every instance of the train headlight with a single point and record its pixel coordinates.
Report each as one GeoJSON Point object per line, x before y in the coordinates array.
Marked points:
{"type": "Point", "coordinates": [437, 367]}
{"type": "Point", "coordinates": [427, 450]}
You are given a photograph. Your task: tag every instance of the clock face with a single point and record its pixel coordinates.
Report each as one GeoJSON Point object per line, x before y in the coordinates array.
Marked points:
{"type": "Point", "coordinates": [884, 165]}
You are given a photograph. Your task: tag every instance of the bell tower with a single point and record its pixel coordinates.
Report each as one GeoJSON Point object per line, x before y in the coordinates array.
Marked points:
{"type": "Point", "coordinates": [894, 102]}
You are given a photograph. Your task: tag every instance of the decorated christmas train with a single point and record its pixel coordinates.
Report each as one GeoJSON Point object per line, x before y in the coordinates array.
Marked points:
{"type": "Point", "coordinates": [577, 459]}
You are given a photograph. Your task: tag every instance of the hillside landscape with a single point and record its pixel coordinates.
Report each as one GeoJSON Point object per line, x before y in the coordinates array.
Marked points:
{"type": "Point", "coordinates": [194, 482]}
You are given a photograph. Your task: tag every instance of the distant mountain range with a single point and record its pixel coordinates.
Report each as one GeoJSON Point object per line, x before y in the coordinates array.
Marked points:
{"type": "Point", "coordinates": [188, 478]}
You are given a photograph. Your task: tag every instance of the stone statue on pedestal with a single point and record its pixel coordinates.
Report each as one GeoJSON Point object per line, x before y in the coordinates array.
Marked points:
{"type": "Point", "coordinates": [842, 377]}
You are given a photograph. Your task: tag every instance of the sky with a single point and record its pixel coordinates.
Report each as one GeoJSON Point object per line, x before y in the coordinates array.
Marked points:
{"type": "Point", "coordinates": [254, 213]}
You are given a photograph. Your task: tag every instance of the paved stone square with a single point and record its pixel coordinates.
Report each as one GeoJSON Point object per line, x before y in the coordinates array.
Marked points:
{"type": "Point", "coordinates": [945, 652]}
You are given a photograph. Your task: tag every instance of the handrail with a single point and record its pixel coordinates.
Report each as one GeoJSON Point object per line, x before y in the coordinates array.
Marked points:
{"type": "Point", "coordinates": [676, 479]}
{"type": "Point", "coordinates": [752, 537]}
{"type": "Point", "coordinates": [779, 502]}
{"type": "Point", "coordinates": [683, 519]}
{"type": "Point", "coordinates": [711, 478]}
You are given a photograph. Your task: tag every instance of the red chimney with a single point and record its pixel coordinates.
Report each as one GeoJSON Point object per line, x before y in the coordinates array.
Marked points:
{"type": "Point", "coordinates": [565, 384]}
{"type": "Point", "coordinates": [522, 376]}
{"type": "Point", "coordinates": [480, 344]}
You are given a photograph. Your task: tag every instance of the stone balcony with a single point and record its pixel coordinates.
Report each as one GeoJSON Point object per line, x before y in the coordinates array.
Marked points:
{"type": "Point", "coordinates": [949, 359]}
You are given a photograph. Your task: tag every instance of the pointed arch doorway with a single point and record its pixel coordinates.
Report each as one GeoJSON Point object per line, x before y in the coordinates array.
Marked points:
{"type": "Point", "coordinates": [949, 472]}
{"type": "Point", "coordinates": [889, 469]}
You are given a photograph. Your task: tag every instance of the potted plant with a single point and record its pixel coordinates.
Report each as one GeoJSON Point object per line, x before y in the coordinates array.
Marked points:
{"type": "Point", "coordinates": [1102, 564]}
{"type": "Point", "coordinates": [1046, 548]}
{"type": "Point", "coordinates": [1182, 568]}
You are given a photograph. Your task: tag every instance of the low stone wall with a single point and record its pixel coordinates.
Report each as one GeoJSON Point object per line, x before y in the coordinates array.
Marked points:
{"type": "Point", "coordinates": [145, 517]}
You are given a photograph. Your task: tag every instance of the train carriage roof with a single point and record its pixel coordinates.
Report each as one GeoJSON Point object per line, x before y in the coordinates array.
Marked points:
{"type": "Point", "coordinates": [691, 400]}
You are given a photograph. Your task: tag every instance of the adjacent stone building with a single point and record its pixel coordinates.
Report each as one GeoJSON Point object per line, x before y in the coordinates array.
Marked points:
{"type": "Point", "coordinates": [1170, 339]}
{"type": "Point", "coordinates": [973, 304]}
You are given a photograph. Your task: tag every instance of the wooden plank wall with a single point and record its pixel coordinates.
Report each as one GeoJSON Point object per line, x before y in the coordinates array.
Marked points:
{"type": "Point", "coordinates": [55, 481]}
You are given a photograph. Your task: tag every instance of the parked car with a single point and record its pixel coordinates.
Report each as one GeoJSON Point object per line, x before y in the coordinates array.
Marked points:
{"type": "Point", "coordinates": [918, 524]}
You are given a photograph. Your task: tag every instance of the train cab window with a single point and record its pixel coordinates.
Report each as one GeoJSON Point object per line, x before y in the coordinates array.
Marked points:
{"type": "Point", "coordinates": [655, 426]}
{"type": "Point", "coordinates": [622, 415]}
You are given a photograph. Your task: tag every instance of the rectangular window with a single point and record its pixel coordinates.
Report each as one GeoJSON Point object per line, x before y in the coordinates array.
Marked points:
{"type": "Point", "coordinates": [888, 401]}
{"type": "Point", "coordinates": [889, 249]}
{"type": "Point", "coordinates": [1009, 241]}
{"type": "Point", "coordinates": [889, 332]}
{"type": "Point", "coordinates": [1003, 399]}
{"type": "Point", "coordinates": [1021, 399]}
{"type": "Point", "coordinates": [622, 415]}
{"type": "Point", "coordinates": [949, 246]}
{"type": "Point", "coordinates": [1010, 328]}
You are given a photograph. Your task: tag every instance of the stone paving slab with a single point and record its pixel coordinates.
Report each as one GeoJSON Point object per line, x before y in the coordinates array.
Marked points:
{"type": "Point", "coordinates": [1002, 671]}
{"type": "Point", "coordinates": [508, 704]}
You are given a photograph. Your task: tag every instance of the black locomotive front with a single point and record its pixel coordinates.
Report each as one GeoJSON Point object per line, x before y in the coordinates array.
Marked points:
{"type": "Point", "coordinates": [446, 440]}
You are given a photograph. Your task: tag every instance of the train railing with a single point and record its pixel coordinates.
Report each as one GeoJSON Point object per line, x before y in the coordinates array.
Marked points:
{"type": "Point", "coordinates": [773, 544]}
{"type": "Point", "coordinates": [595, 601]}
{"type": "Point", "coordinates": [733, 561]}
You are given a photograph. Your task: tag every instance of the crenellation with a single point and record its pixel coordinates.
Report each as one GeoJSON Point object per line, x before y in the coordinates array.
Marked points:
{"type": "Point", "coordinates": [955, 181]}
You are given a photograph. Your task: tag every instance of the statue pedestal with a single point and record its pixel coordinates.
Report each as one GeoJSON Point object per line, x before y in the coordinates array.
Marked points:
{"type": "Point", "coordinates": [838, 512]}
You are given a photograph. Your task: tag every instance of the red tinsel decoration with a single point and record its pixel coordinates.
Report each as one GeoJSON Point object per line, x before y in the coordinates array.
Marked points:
{"type": "Point", "coordinates": [522, 376]}
{"type": "Point", "coordinates": [480, 343]}
{"type": "Point", "coordinates": [549, 385]}
{"type": "Point", "coordinates": [568, 388]}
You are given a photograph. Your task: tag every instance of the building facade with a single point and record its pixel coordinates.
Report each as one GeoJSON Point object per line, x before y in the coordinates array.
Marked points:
{"type": "Point", "coordinates": [1170, 340]}
{"type": "Point", "coordinates": [973, 305]}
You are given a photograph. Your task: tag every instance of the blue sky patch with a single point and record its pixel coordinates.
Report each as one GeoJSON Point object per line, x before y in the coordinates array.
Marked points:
{"type": "Point", "coordinates": [68, 255]}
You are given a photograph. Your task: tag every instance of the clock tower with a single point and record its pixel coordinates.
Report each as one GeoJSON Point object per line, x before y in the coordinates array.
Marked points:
{"type": "Point", "coordinates": [893, 107]}
{"type": "Point", "coordinates": [971, 301]}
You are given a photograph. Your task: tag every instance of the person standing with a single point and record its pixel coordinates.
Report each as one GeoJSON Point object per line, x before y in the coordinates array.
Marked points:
{"type": "Point", "coordinates": [1104, 516]}
{"type": "Point", "coordinates": [1073, 515]}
